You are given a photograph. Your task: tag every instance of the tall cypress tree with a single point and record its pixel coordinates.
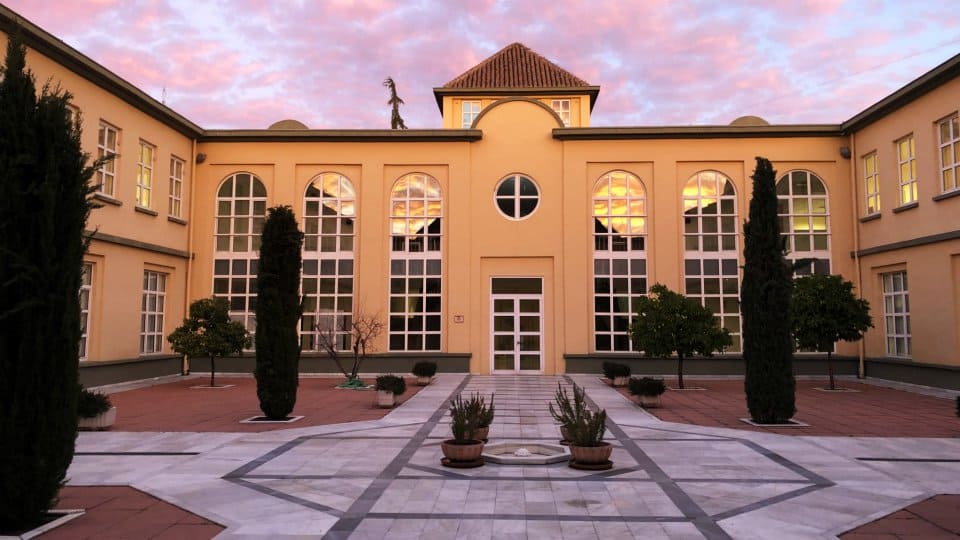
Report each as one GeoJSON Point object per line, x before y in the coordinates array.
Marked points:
{"type": "Point", "coordinates": [765, 306]}
{"type": "Point", "coordinates": [44, 205]}
{"type": "Point", "coordinates": [278, 313]}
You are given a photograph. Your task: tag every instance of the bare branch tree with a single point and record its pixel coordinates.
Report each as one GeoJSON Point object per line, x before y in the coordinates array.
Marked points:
{"type": "Point", "coordinates": [339, 333]}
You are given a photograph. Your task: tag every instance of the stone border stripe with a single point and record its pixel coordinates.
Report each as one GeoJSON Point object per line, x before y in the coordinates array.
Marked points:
{"type": "Point", "coordinates": [910, 460]}
{"type": "Point", "coordinates": [286, 496]}
{"type": "Point", "coordinates": [766, 502]}
{"type": "Point", "coordinates": [532, 517]}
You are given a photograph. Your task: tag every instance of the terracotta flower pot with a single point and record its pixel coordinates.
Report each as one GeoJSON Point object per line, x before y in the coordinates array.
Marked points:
{"type": "Point", "coordinates": [620, 381]}
{"type": "Point", "coordinates": [386, 399]}
{"type": "Point", "coordinates": [455, 451]}
{"type": "Point", "coordinates": [423, 381]}
{"type": "Point", "coordinates": [481, 434]}
{"type": "Point", "coordinates": [591, 454]}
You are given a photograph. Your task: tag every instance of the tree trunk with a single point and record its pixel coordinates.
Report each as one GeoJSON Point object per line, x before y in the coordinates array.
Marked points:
{"type": "Point", "coordinates": [213, 369]}
{"type": "Point", "coordinates": [680, 371]}
{"type": "Point", "coordinates": [830, 371]}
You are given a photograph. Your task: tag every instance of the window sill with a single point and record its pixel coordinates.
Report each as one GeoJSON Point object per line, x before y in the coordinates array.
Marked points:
{"type": "Point", "coordinates": [871, 217]}
{"type": "Point", "coordinates": [906, 207]}
{"type": "Point", "coordinates": [177, 220]}
{"type": "Point", "coordinates": [147, 211]}
{"type": "Point", "coordinates": [103, 197]}
{"type": "Point", "coordinates": [947, 195]}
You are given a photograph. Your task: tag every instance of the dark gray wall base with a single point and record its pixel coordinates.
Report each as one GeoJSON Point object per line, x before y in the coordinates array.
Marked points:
{"type": "Point", "coordinates": [321, 363]}
{"type": "Point", "coordinates": [134, 369]}
{"type": "Point", "coordinates": [718, 365]}
{"type": "Point", "coordinates": [913, 372]}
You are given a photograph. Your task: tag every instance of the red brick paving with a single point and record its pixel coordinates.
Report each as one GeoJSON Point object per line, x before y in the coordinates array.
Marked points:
{"type": "Point", "coordinates": [175, 406]}
{"type": "Point", "coordinates": [874, 411]}
{"type": "Point", "coordinates": [935, 518]}
{"type": "Point", "coordinates": [123, 512]}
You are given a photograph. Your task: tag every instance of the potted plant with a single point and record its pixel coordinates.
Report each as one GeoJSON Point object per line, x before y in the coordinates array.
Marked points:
{"type": "Point", "coordinates": [647, 390]}
{"type": "Point", "coordinates": [617, 373]}
{"type": "Point", "coordinates": [424, 372]}
{"type": "Point", "coordinates": [388, 388]}
{"type": "Point", "coordinates": [585, 430]}
{"type": "Point", "coordinates": [94, 411]}
{"type": "Point", "coordinates": [463, 450]}
{"type": "Point", "coordinates": [485, 416]}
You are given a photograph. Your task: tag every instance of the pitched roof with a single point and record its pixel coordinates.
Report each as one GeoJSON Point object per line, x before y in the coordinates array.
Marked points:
{"type": "Point", "coordinates": [516, 66]}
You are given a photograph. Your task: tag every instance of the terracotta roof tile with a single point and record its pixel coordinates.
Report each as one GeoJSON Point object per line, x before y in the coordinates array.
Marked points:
{"type": "Point", "coordinates": [516, 66]}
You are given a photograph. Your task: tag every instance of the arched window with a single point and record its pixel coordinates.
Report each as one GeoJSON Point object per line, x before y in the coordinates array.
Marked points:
{"type": "Point", "coordinates": [416, 211]}
{"type": "Point", "coordinates": [329, 218]}
{"type": "Point", "coordinates": [619, 257]}
{"type": "Point", "coordinates": [241, 211]}
{"type": "Point", "coordinates": [805, 220]}
{"type": "Point", "coordinates": [710, 265]}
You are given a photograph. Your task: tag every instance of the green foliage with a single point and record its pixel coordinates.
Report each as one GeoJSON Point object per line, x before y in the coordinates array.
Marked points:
{"type": "Point", "coordinates": [585, 427]}
{"type": "Point", "coordinates": [209, 332]}
{"type": "Point", "coordinates": [485, 413]}
{"type": "Point", "coordinates": [646, 386]}
{"type": "Point", "coordinates": [464, 418]}
{"type": "Point", "coordinates": [425, 369]}
{"type": "Point", "coordinates": [391, 383]}
{"type": "Point", "coordinates": [278, 313]}
{"type": "Point", "coordinates": [765, 305]}
{"type": "Point", "coordinates": [44, 204]}
{"type": "Point", "coordinates": [825, 310]}
{"type": "Point", "coordinates": [91, 404]}
{"type": "Point", "coordinates": [396, 122]}
{"type": "Point", "coordinates": [612, 370]}
{"type": "Point", "coordinates": [668, 322]}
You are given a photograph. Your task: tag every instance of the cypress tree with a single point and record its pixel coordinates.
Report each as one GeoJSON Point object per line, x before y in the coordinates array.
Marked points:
{"type": "Point", "coordinates": [44, 204]}
{"type": "Point", "coordinates": [278, 313]}
{"type": "Point", "coordinates": [765, 307]}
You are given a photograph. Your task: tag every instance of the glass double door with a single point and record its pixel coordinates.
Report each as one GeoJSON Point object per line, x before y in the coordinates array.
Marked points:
{"type": "Point", "coordinates": [517, 325]}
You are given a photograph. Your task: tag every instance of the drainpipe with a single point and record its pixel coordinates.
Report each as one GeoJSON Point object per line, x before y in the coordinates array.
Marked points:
{"type": "Point", "coordinates": [858, 281]}
{"type": "Point", "coordinates": [185, 368]}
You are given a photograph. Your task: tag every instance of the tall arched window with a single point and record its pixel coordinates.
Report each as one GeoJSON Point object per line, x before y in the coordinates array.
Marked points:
{"type": "Point", "coordinates": [416, 211]}
{"type": "Point", "coordinates": [329, 217]}
{"type": "Point", "coordinates": [619, 257]}
{"type": "Point", "coordinates": [241, 211]}
{"type": "Point", "coordinates": [805, 220]}
{"type": "Point", "coordinates": [710, 265]}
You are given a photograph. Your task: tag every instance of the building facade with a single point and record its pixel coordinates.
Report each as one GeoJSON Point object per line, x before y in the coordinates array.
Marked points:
{"type": "Point", "coordinates": [516, 238]}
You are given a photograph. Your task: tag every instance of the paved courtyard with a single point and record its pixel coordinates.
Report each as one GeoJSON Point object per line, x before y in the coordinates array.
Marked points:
{"type": "Point", "coordinates": [383, 479]}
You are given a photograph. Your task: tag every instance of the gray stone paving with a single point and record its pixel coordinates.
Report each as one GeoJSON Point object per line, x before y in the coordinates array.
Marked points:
{"type": "Point", "coordinates": [383, 479]}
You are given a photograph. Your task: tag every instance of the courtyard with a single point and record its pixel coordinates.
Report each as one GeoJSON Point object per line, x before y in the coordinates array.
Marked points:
{"type": "Point", "coordinates": [378, 475]}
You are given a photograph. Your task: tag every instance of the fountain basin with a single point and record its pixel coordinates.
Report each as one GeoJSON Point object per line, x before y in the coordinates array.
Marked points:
{"type": "Point", "coordinates": [505, 453]}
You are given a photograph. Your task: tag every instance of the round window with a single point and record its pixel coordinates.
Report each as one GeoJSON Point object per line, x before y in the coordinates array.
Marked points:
{"type": "Point", "coordinates": [517, 196]}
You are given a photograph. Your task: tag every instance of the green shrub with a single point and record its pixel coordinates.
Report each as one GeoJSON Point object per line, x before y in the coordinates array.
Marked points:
{"type": "Point", "coordinates": [425, 369]}
{"type": "Point", "coordinates": [91, 404]}
{"type": "Point", "coordinates": [464, 418]}
{"type": "Point", "coordinates": [391, 383]}
{"type": "Point", "coordinates": [485, 413]}
{"type": "Point", "coordinates": [646, 386]}
{"type": "Point", "coordinates": [612, 370]}
{"type": "Point", "coordinates": [586, 428]}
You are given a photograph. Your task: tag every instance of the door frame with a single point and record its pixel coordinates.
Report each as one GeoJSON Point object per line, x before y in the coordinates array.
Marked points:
{"type": "Point", "coordinates": [516, 313]}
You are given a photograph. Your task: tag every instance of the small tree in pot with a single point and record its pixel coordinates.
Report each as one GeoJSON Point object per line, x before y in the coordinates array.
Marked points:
{"type": "Point", "coordinates": [388, 388]}
{"type": "Point", "coordinates": [617, 373]}
{"type": "Point", "coordinates": [463, 450]}
{"type": "Point", "coordinates": [647, 390]}
{"type": "Point", "coordinates": [585, 429]}
{"type": "Point", "coordinates": [424, 372]}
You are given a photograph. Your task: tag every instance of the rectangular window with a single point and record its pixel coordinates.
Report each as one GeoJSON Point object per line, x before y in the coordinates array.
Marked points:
{"type": "Point", "coordinates": [906, 158]}
{"type": "Point", "coordinates": [562, 107]}
{"type": "Point", "coordinates": [108, 140]}
{"type": "Point", "coordinates": [86, 292]}
{"type": "Point", "coordinates": [896, 314]}
{"type": "Point", "coordinates": [949, 138]}
{"type": "Point", "coordinates": [144, 173]}
{"type": "Point", "coordinates": [175, 208]}
{"type": "Point", "coordinates": [871, 180]}
{"type": "Point", "coordinates": [151, 312]}
{"type": "Point", "coordinates": [470, 109]}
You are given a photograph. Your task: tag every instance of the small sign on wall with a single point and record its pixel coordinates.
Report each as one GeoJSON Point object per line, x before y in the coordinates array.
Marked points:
{"type": "Point", "coordinates": [458, 318]}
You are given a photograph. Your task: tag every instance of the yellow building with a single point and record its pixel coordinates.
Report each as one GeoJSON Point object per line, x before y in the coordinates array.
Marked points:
{"type": "Point", "coordinates": [515, 238]}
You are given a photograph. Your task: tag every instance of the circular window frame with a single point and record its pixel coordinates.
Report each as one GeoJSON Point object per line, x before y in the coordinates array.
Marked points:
{"type": "Point", "coordinates": [516, 197]}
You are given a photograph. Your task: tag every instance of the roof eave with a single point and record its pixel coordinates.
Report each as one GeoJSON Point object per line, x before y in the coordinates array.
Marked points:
{"type": "Point", "coordinates": [697, 132]}
{"type": "Point", "coordinates": [592, 91]}
{"type": "Point", "coordinates": [342, 135]}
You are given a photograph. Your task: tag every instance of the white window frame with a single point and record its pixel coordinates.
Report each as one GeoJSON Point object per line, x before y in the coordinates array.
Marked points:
{"type": "Point", "coordinates": [107, 173]}
{"type": "Point", "coordinates": [619, 258]}
{"type": "Point", "coordinates": [175, 203]}
{"type": "Point", "coordinates": [711, 248]}
{"type": "Point", "coordinates": [416, 199]}
{"type": "Point", "coordinates": [896, 314]}
{"type": "Point", "coordinates": [801, 213]}
{"type": "Point", "coordinates": [328, 276]}
{"type": "Point", "coordinates": [151, 312]}
{"type": "Point", "coordinates": [907, 169]}
{"type": "Point", "coordinates": [871, 184]}
{"type": "Point", "coordinates": [86, 300]}
{"type": "Point", "coordinates": [562, 108]}
{"type": "Point", "coordinates": [146, 154]}
{"type": "Point", "coordinates": [948, 136]}
{"type": "Point", "coordinates": [517, 197]}
{"type": "Point", "coordinates": [469, 111]}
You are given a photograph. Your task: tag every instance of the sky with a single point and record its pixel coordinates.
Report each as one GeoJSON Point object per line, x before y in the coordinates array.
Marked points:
{"type": "Point", "coordinates": [249, 63]}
